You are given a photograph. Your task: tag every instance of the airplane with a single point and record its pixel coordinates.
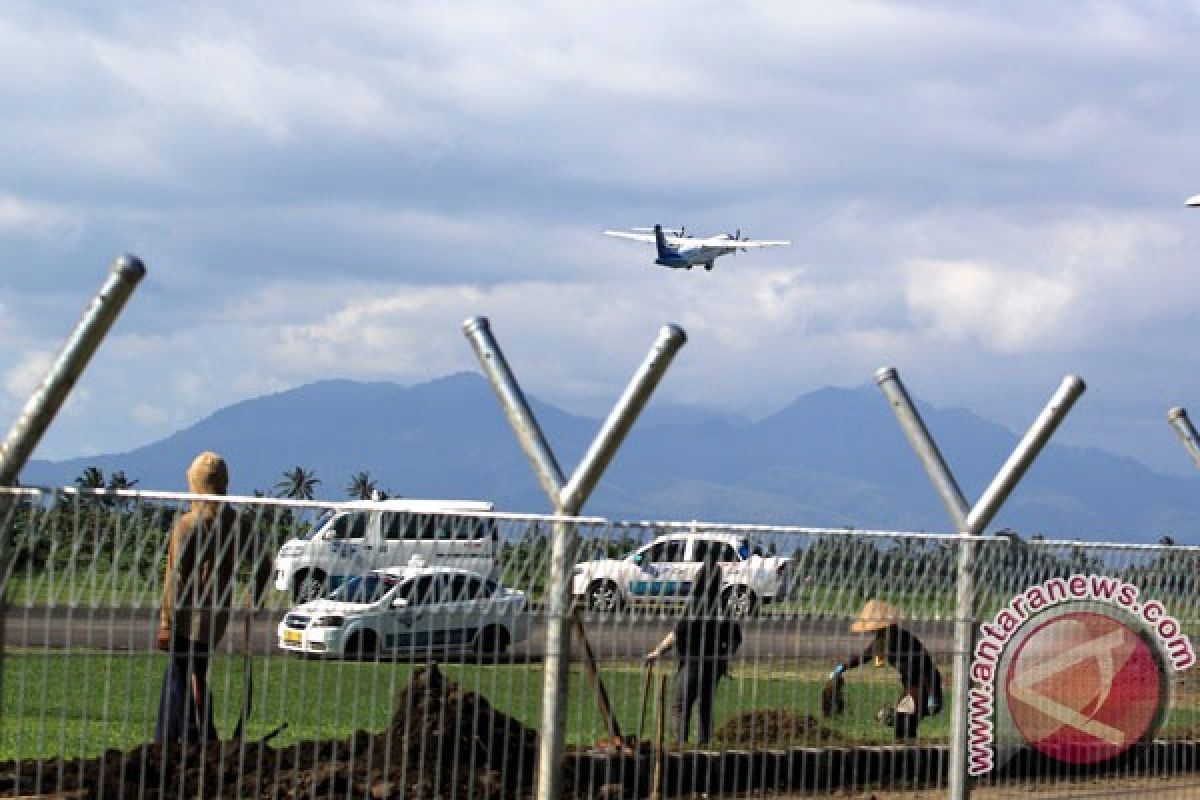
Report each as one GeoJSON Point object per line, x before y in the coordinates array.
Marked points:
{"type": "Point", "coordinates": [679, 251]}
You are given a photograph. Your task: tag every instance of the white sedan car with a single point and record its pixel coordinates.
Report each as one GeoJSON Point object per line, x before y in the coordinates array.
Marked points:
{"type": "Point", "coordinates": [414, 610]}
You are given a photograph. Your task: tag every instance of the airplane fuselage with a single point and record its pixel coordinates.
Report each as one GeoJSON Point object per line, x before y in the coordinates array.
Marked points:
{"type": "Point", "coordinates": [687, 258]}
{"type": "Point", "coordinates": [680, 256]}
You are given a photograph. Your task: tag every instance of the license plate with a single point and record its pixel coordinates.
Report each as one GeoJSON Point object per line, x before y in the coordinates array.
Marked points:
{"type": "Point", "coordinates": [292, 637]}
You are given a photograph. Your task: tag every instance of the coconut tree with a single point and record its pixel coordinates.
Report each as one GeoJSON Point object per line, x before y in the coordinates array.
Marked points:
{"type": "Point", "coordinates": [361, 486]}
{"type": "Point", "coordinates": [297, 483]}
{"type": "Point", "coordinates": [91, 478]}
{"type": "Point", "coordinates": [118, 481]}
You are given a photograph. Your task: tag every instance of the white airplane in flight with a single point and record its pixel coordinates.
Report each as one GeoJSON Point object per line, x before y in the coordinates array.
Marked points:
{"type": "Point", "coordinates": [677, 251]}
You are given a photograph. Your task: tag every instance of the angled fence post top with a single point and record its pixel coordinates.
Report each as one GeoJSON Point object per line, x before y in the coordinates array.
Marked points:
{"type": "Point", "coordinates": [512, 400]}
{"type": "Point", "coordinates": [1178, 419]}
{"type": "Point", "coordinates": [125, 274]}
{"type": "Point", "coordinates": [974, 519]}
{"type": "Point", "coordinates": [567, 498]}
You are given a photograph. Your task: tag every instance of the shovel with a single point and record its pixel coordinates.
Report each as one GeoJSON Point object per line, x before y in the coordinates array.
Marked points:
{"type": "Point", "coordinates": [647, 673]}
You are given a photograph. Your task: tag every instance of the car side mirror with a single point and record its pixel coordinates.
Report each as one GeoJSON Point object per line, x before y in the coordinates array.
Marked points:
{"type": "Point", "coordinates": [638, 559]}
{"type": "Point", "coordinates": [400, 602]}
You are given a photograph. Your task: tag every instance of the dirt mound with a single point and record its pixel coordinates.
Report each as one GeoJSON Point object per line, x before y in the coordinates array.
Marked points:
{"type": "Point", "coordinates": [757, 729]}
{"type": "Point", "coordinates": [442, 742]}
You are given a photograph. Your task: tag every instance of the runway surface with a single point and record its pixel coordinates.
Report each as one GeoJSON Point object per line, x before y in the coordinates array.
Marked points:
{"type": "Point", "coordinates": [613, 638]}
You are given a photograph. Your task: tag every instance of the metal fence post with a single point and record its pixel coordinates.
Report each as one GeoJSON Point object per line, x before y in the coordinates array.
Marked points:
{"type": "Point", "coordinates": [670, 339]}
{"type": "Point", "coordinates": [964, 615]}
{"type": "Point", "coordinates": [568, 500]}
{"type": "Point", "coordinates": [927, 450]}
{"type": "Point", "coordinates": [47, 399]}
{"type": "Point", "coordinates": [479, 333]}
{"type": "Point", "coordinates": [971, 523]}
{"type": "Point", "coordinates": [1178, 419]}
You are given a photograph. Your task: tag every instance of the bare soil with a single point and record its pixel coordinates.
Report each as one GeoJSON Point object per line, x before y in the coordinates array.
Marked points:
{"type": "Point", "coordinates": [442, 741]}
{"type": "Point", "coordinates": [772, 726]}
{"type": "Point", "coordinates": [446, 742]}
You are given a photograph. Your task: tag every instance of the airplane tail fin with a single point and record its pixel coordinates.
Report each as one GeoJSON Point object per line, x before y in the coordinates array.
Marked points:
{"type": "Point", "coordinates": [664, 250]}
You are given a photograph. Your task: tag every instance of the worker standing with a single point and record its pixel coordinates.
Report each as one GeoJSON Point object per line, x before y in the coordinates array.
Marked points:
{"type": "Point", "coordinates": [704, 640]}
{"type": "Point", "coordinates": [205, 547]}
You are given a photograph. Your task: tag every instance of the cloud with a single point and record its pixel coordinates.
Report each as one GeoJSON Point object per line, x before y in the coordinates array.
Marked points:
{"type": "Point", "coordinates": [994, 307]}
{"type": "Point", "coordinates": [24, 218]}
{"type": "Point", "coordinates": [981, 195]}
{"type": "Point", "coordinates": [22, 379]}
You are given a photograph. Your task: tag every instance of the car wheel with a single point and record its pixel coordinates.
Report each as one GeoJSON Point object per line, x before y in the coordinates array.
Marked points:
{"type": "Point", "coordinates": [308, 586]}
{"type": "Point", "coordinates": [604, 597]}
{"type": "Point", "coordinates": [740, 602]}
{"type": "Point", "coordinates": [491, 641]}
{"type": "Point", "coordinates": [360, 645]}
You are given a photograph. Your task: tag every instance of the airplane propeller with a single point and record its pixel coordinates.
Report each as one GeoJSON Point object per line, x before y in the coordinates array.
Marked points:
{"type": "Point", "coordinates": [737, 237]}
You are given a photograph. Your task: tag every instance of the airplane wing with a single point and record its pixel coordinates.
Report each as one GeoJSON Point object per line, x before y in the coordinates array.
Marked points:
{"type": "Point", "coordinates": [762, 243]}
{"type": "Point", "coordinates": [720, 241]}
{"type": "Point", "coordinates": [637, 237]}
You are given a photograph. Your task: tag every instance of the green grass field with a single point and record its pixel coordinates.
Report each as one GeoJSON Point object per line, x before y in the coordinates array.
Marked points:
{"type": "Point", "coordinates": [81, 705]}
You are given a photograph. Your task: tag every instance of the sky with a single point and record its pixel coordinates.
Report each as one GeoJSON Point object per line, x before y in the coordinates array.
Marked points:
{"type": "Point", "coordinates": [988, 196]}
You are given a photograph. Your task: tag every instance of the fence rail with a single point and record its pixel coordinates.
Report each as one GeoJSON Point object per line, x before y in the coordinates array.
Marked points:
{"type": "Point", "coordinates": [425, 679]}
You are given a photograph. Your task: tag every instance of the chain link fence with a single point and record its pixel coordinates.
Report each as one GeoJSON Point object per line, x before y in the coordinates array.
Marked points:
{"type": "Point", "coordinates": [395, 649]}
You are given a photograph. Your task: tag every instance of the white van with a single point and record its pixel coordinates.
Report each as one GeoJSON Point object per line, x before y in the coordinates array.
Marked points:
{"type": "Point", "coordinates": [357, 537]}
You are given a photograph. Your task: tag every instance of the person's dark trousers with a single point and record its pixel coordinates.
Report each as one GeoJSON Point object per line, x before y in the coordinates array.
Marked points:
{"type": "Point", "coordinates": [695, 687]}
{"type": "Point", "coordinates": [185, 711]}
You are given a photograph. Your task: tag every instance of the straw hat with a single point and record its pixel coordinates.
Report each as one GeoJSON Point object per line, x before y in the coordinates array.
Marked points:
{"type": "Point", "coordinates": [875, 616]}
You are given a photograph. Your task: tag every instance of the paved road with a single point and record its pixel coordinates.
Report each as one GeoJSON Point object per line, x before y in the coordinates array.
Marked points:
{"type": "Point", "coordinates": [767, 639]}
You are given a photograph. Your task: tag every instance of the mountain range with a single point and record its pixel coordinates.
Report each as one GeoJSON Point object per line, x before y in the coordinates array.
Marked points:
{"type": "Point", "coordinates": [835, 457]}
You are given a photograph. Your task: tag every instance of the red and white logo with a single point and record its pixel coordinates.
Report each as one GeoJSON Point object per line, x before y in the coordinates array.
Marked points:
{"type": "Point", "coordinates": [1083, 687]}
{"type": "Point", "coordinates": [1076, 667]}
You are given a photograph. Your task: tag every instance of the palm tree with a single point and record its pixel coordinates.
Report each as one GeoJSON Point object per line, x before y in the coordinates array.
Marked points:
{"type": "Point", "coordinates": [361, 486]}
{"type": "Point", "coordinates": [90, 478]}
{"type": "Point", "coordinates": [297, 483]}
{"type": "Point", "coordinates": [118, 481]}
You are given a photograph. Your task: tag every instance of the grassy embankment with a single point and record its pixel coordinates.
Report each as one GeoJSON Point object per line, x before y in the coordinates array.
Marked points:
{"type": "Point", "coordinates": [83, 704]}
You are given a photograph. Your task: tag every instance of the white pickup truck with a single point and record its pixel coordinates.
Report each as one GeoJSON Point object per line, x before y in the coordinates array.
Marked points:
{"type": "Point", "coordinates": [662, 572]}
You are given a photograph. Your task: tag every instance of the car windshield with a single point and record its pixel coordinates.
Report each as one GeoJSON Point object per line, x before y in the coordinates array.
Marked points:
{"type": "Point", "coordinates": [364, 589]}
{"type": "Point", "coordinates": [306, 532]}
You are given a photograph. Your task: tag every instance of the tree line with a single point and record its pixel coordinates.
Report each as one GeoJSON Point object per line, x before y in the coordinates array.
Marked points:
{"type": "Point", "coordinates": [99, 530]}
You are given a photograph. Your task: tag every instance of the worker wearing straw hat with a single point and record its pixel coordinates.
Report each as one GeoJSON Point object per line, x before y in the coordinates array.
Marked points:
{"type": "Point", "coordinates": [894, 645]}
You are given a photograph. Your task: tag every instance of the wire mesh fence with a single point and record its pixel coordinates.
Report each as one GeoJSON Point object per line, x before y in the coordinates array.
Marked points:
{"type": "Point", "coordinates": [395, 649]}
